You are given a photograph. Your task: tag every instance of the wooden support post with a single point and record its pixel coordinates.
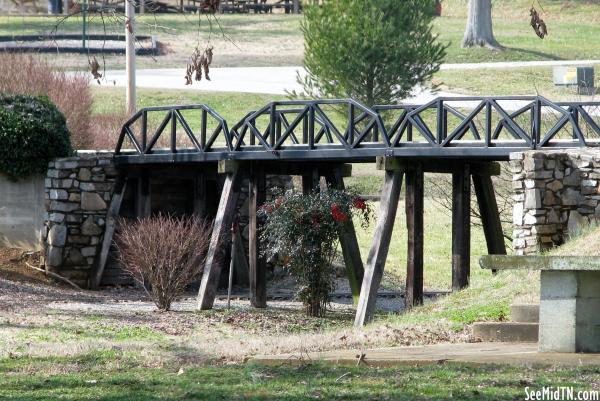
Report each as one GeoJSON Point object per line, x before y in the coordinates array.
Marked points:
{"type": "Point", "coordinates": [257, 264]}
{"type": "Point", "coordinates": [414, 225]}
{"type": "Point", "coordinates": [390, 195]}
{"type": "Point", "coordinates": [200, 194]}
{"type": "Point", "coordinates": [348, 242]}
{"type": "Point", "coordinates": [220, 233]}
{"type": "Point", "coordinates": [310, 180]}
{"type": "Point", "coordinates": [490, 217]}
{"type": "Point", "coordinates": [461, 227]}
{"type": "Point", "coordinates": [143, 205]}
{"type": "Point", "coordinates": [240, 261]}
{"type": "Point", "coordinates": [112, 216]}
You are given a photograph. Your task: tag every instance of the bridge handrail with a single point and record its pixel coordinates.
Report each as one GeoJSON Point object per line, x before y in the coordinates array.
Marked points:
{"type": "Point", "coordinates": [366, 127]}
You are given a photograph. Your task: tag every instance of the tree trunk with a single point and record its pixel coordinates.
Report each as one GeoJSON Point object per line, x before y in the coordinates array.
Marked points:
{"type": "Point", "coordinates": [479, 32]}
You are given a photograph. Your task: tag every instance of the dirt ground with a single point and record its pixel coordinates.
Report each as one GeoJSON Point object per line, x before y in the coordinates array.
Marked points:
{"type": "Point", "coordinates": [39, 317]}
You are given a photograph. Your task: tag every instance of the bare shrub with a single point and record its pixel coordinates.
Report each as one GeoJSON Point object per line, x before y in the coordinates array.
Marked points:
{"type": "Point", "coordinates": [31, 75]}
{"type": "Point", "coordinates": [165, 252]}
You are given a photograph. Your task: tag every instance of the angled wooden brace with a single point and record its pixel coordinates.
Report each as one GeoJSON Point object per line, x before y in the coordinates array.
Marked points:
{"type": "Point", "coordinates": [390, 194]}
{"type": "Point", "coordinates": [109, 229]}
{"type": "Point", "coordinates": [220, 233]}
{"type": "Point", "coordinates": [348, 242]}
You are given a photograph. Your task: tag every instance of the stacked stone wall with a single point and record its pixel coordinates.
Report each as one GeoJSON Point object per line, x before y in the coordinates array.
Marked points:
{"type": "Point", "coordinates": [78, 192]}
{"type": "Point", "coordinates": [556, 194]}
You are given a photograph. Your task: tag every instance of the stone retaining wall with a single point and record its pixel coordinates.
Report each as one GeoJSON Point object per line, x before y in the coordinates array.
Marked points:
{"type": "Point", "coordinates": [556, 193]}
{"type": "Point", "coordinates": [78, 192]}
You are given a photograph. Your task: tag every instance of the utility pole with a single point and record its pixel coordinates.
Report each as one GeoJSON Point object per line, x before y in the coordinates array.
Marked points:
{"type": "Point", "coordinates": [130, 55]}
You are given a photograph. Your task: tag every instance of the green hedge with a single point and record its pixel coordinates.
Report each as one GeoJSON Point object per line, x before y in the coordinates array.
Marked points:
{"type": "Point", "coordinates": [32, 132]}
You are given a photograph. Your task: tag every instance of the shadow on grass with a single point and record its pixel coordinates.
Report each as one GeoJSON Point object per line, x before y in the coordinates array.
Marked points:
{"type": "Point", "coordinates": [546, 56]}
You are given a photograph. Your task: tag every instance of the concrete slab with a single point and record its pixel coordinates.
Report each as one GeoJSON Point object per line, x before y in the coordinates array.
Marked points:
{"type": "Point", "coordinates": [525, 313]}
{"type": "Point", "coordinates": [524, 354]}
{"type": "Point", "coordinates": [506, 331]}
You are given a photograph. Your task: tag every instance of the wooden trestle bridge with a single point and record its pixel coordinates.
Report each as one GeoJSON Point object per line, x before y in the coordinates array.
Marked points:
{"type": "Point", "coordinates": [313, 139]}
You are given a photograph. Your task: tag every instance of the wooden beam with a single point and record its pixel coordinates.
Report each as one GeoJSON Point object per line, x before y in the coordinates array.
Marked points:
{"type": "Point", "coordinates": [112, 215]}
{"type": "Point", "coordinates": [490, 217]}
{"type": "Point", "coordinates": [414, 225]}
{"type": "Point", "coordinates": [220, 235]}
{"type": "Point", "coordinates": [439, 166]}
{"type": "Point", "coordinates": [349, 243]}
{"type": "Point", "coordinates": [143, 204]}
{"type": "Point", "coordinates": [461, 227]}
{"type": "Point", "coordinates": [390, 194]}
{"type": "Point", "coordinates": [257, 264]}
{"type": "Point", "coordinates": [310, 180]}
{"type": "Point", "coordinates": [227, 166]}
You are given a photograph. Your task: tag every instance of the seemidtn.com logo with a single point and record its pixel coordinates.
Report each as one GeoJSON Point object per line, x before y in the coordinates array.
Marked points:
{"type": "Point", "coordinates": [560, 393]}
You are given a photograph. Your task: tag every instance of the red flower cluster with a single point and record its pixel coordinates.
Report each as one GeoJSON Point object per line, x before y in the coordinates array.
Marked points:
{"type": "Point", "coordinates": [337, 213]}
{"type": "Point", "coordinates": [278, 202]}
{"type": "Point", "coordinates": [359, 203]}
{"type": "Point", "coordinates": [267, 208]}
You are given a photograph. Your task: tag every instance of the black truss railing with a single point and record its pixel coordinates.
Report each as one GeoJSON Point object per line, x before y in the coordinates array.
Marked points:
{"type": "Point", "coordinates": [451, 127]}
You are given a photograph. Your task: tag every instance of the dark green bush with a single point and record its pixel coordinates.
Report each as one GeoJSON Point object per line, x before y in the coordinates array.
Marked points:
{"type": "Point", "coordinates": [32, 132]}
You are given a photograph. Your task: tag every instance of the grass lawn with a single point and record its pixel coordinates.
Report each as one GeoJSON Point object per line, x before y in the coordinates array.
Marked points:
{"type": "Point", "coordinates": [112, 376]}
{"type": "Point", "coordinates": [232, 106]}
{"type": "Point", "coordinates": [276, 39]}
{"type": "Point", "coordinates": [515, 81]}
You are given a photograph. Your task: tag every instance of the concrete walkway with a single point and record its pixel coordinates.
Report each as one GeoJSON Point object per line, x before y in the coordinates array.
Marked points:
{"type": "Point", "coordinates": [279, 80]}
{"type": "Point", "coordinates": [468, 353]}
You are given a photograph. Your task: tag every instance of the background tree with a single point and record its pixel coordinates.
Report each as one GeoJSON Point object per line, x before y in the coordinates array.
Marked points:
{"type": "Point", "coordinates": [479, 32]}
{"type": "Point", "coordinates": [374, 51]}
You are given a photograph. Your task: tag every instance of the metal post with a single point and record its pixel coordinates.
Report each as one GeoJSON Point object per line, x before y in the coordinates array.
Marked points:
{"type": "Point", "coordinates": [130, 56]}
{"type": "Point", "coordinates": [84, 16]}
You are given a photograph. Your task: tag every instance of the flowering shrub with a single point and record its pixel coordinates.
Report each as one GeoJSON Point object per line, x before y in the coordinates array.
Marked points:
{"type": "Point", "coordinates": [301, 232]}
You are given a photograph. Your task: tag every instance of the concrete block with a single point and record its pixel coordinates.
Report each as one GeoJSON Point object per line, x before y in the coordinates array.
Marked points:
{"type": "Point", "coordinates": [556, 338]}
{"type": "Point", "coordinates": [588, 311]}
{"type": "Point", "coordinates": [525, 313]}
{"type": "Point", "coordinates": [560, 312]}
{"type": "Point", "coordinates": [587, 338]}
{"type": "Point", "coordinates": [589, 284]}
{"type": "Point", "coordinates": [557, 285]}
{"type": "Point", "coordinates": [506, 331]}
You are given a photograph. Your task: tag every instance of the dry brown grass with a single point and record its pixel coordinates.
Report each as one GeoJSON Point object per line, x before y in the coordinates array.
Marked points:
{"type": "Point", "coordinates": [584, 243]}
{"type": "Point", "coordinates": [31, 75]}
{"type": "Point", "coordinates": [104, 130]}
